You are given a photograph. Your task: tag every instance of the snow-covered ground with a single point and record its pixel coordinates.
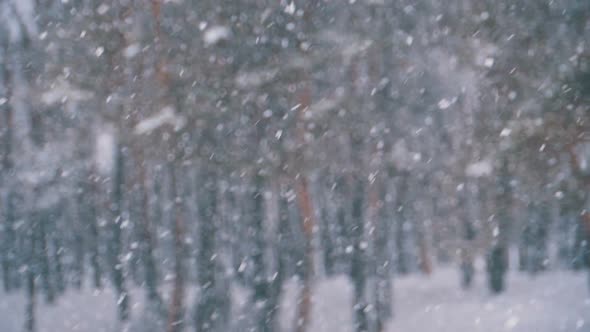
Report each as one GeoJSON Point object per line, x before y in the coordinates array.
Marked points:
{"type": "Point", "coordinates": [551, 302]}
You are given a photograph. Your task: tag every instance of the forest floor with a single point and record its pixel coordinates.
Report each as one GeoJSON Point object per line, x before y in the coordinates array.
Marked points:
{"type": "Point", "coordinates": [550, 302]}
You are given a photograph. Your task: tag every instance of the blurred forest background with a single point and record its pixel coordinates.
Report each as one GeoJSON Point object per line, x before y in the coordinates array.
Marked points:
{"type": "Point", "coordinates": [170, 145]}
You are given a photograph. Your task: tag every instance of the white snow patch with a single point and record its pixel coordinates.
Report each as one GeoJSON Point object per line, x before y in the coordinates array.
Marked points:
{"type": "Point", "coordinates": [17, 14]}
{"type": "Point", "coordinates": [511, 323]}
{"type": "Point", "coordinates": [26, 10]}
{"type": "Point", "coordinates": [105, 150]}
{"type": "Point", "coordinates": [479, 169]}
{"type": "Point", "coordinates": [255, 79]}
{"type": "Point", "coordinates": [99, 51]}
{"type": "Point", "coordinates": [444, 103]}
{"type": "Point", "coordinates": [102, 9]}
{"type": "Point", "coordinates": [63, 91]}
{"type": "Point", "coordinates": [324, 105]}
{"type": "Point", "coordinates": [401, 156]}
{"type": "Point", "coordinates": [505, 132]}
{"type": "Point", "coordinates": [216, 34]}
{"type": "Point", "coordinates": [331, 301]}
{"type": "Point", "coordinates": [354, 48]}
{"type": "Point", "coordinates": [165, 116]}
{"type": "Point", "coordinates": [132, 50]}
{"type": "Point", "coordinates": [290, 8]}
{"type": "Point", "coordinates": [512, 95]}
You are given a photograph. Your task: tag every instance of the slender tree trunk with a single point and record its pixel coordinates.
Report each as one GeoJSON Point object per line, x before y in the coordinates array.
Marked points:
{"type": "Point", "coordinates": [176, 311]}
{"type": "Point", "coordinates": [384, 284]}
{"type": "Point", "coordinates": [79, 264]}
{"type": "Point", "coordinates": [306, 209]}
{"type": "Point", "coordinates": [31, 273]}
{"type": "Point", "coordinates": [497, 258]}
{"type": "Point", "coordinates": [92, 221]}
{"type": "Point", "coordinates": [421, 213]}
{"type": "Point", "coordinates": [524, 247]}
{"type": "Point", "coordinates": [60, 284]}
{"type": "Point", "coordinates": [378, 258]}
{"type": "Point", "coordinates": [277, 276]}
{"type": "Point", "coordinates": [8, 235]}
{"type": "Point", "coordinates": [30, 320]}
{"type": "Point", "coordinates": [534, 242]}
{"type": "Point", "coordinates": [564, 227]}
{"type": "Point", "coordinates": [358, 270]}
{"type": "Point", "coordinates": [424, 252]}
{"type": "Point", "coordinates": [579, 245]}
{"type": "Point", "coordinates": [400, 223]}
{"type": "Point", "coordinates": [307, 215]}
{"type": "Point", "coordinates": [328, 232]}
{"type": "Point", "coordinates": [586, 227]}
{"type": "Point", "coordinates": [262, 285]}
{"type": "Point", "coordinates": [209, 299]}
{"type": "Point", "coordinates": [42, 218]}
{"type": "Point", "coordinates": [151, 275]}
{"type": "Point", "coordinates": [468, 236]}
{"type": "Point", "coordinates": [115, 245]}
{"type": "Point", "coordinates": [8, 244]}
{"type": "Point", "coordinates": [542, 235]}
{"type": "Point", "coordinates": [176, 307]}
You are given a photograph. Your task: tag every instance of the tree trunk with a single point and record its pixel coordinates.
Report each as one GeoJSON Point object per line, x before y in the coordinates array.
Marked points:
{"type": "Point", "coordinates": [523, 248]}
{"type": "Point", "coordinates": [497, 263]}
{"type": "Point", "coordinates": [497, 258]}
{"type": "Point", "coordinates": [30, 275]}
{"type": "Point", "coordinates": [424, 253]}
{"type": "Point", "coordinates": [176, 307]}
{"type": "Point", "coordinates": [8, 234]}
{"type": "Point", "coordinates": [8, 244]}
{"type": "Point", "coordinates": [328, 232]}
{"type": "Point", "coordinates": [580, 245]}
{"type": "Point", "coordinates": [147, 246]}
{"type": "Point", "coordinates": [210, 300]}
{"type": "Point", "coordinates": [306, 209]}
{"type": "Point", "coordinates": [43, 219]}
{"type": "Point", "coordinates": [79, 264]}
{"type": "Point", "coordinates": [307, 215]}
{"type": "Point", "coordinates": [400, 223]}
{"type": "Point", "coordinates": [60, 284]}
{"type": "Point", "coordinates": [206, 302]}
{"type": "Point", "coordinates": [535, 238]}
{"type": "Point", "coordinates": [278, 276]}
{"type": "Point", "coordinates": [91, 219]}
{"type": "Point", "coordinates": [379, 268]}
{"type": "Point", "coordinates": [115, 246]}
{"type": "Point", "coordinates": [468, 235]}
{"type": "Point", "coordinates": [358, 270]}
{"type": "Point", "coordinates": [586, 227]}
{"type": "Point", "coordinates": [262, 285]}
{"type": "Point", "coordinates": [30, 321]}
